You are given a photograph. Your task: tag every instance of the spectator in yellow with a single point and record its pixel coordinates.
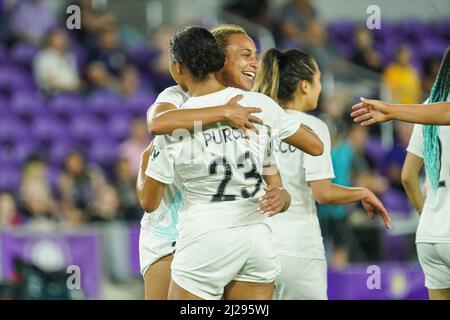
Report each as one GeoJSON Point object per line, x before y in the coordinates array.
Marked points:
{"type": "Point", "coordinates": [401, 79]}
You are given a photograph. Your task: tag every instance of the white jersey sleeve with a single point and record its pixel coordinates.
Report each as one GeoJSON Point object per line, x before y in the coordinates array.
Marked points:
{"type": "Point", "coordinates": [161, 161]}
{"type": "Point", "coordinates": [282, 126]}
{"type": "Point", "coordinates": [320, 167]}
{"type": "Point", "coordinates": [173, 95]}
{"type": "Point", "coordinates": [416, 142]}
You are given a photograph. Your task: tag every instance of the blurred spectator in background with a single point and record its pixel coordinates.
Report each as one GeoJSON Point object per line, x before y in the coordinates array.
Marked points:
{"type": "Point", "coordinates": [350, 168]}
{"type": "Point", "coordinates": [9, 215]}
{"type": "Point", "coordinates": [100, 78]}
{"type": "Point", "coordinates": [256, 11]}
{"type": "Point", "coordinates": [125, 185]}
{"type": "Point", "coordinates": [55, 68]}
{"type": "Point", "coordinates": [365, 55]}
{"type": "Point", "coordinates": [401, 79]}
{"type": "Point", "coordinates": [133, 146]}
{"type": "Point", "coordinates": [333, 110]}
{"type": "Point", "coordinates": [130, 83]}
{"type": "Point", "coordinates": [106, 206]}
{"type": "Point", "coordinates": [159, 67]}
{"type": "Point", "coordinates": [36, 196]}
{"type": "Point", "coordinates": [31, 20]}
{"type": "Point", "coordinates": [78, 187]}
{"type": "Point", "coordinates": [109, 51]}
{"type": "Point", "coordinates": [92, 22]}
{"type": "Point", "coordinates": [299, 24]}
{"type": "Point", "coordinates": [431, 70]}
{"type": "Point", "coordinates": [396, 156]}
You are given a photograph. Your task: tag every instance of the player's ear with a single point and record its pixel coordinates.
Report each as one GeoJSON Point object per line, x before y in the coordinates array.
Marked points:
{"type": "Point", "coordinates": [303, 86]}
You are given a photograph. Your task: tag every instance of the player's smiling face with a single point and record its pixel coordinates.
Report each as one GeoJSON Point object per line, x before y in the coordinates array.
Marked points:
{"type": "Point", "coordinates": [240, 63]}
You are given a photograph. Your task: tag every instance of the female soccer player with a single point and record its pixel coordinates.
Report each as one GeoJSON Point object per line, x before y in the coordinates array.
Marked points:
{"type": "Point", "coordinates": [429, 145]}
{"type": "Point", "coordinates": [223, 240]}
{"type": "Point", "coordinates": [158, 231]}
{"type": "Point", "coordinates": [292, 78]}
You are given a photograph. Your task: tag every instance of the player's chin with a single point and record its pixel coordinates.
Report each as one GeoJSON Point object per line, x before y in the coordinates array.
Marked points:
{"type": "Point", "coordinates": [245, 83]}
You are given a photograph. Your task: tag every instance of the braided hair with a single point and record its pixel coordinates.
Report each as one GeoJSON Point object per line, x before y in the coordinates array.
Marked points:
{"type": "Point", "coordinates": [431, 144]}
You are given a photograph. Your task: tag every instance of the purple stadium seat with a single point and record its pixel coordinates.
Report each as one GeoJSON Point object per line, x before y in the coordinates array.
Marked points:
{"type": "Point", "coordinates": [10, 178]}
{"type": "Point", "coordinates": [396, 202]}
{"type": "Point", "coordinates": [86, 127]}
{"type": "Point", "coordinates": [47, 128]}
{"type": "Point", "coordinates": [376, 152]}
{"type": "Point", "coordinates": [67, 105]}
{"type": "Point", "coordinates": [442, 28]}
{"type": "Point", "coordinates": [341, 30]}
{"type": "Point", "coordinates": [142, 56]}
{"type": "Point", "coordinates": [103, 103]}
{"type": "Point", "coordinates": [103, 152]}
{"type": "Point", "coordinates": [17, 151]}
{"type": "Point", "coordinates": [23, 54]}
{"type": "Point", "coordinates": [12, 129]}
{"type": "Point", "coordinates": [13, 79]}
{"type": "Point", "coordinates": [414, 29]}
{"type": "Point", "coordinates": [139, 103]}
{"type": "Point", "coordinates": [27, 103]}
{"type": "Point", "coordinates": [433, 47]}
{"type": "Point", "coordinates": [118, 126]}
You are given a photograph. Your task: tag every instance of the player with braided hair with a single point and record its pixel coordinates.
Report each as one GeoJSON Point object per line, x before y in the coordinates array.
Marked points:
{"type": "Point", "coordinates": [429, 145]}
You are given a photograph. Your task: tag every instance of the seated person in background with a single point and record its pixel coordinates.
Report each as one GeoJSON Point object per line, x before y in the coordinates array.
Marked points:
{"type": "Point", "coordinates": [365, 55]}
{"type": "Point", "coordinates": [9, 216]}
{"type": "Point", "coordinates": [401, 79]}
{"type": "Point", "coordinates": [55, 67]}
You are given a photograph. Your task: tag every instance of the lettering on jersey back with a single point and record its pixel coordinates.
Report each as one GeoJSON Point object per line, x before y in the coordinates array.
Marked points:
{"type": "Point", "coordinates": [284, 148]}
{"type": "Point", "coordinates": [222, 135]}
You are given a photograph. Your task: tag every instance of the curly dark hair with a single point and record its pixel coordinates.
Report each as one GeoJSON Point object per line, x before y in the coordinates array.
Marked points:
{"type": "Point", "coordinates": [196, 48]}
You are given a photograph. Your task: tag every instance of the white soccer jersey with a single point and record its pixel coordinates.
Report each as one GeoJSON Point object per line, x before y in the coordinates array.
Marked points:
{"type": "Point", "coordinates": [173, 95]}
{"type": "Point", "coordinates": [163, 221]}
{"type": "Point", "coordinates": [220, 169]}
{"type": "Point", "coordinates": [297, 231]}
{"type": "Point", "coordinates": [434, 223]}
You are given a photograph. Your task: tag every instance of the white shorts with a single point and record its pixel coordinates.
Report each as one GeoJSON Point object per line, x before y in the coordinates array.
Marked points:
{"type": "Point", "coordinates": [152, 248]}
{"type": "Point", "coordinates": [434, 259]}
{"type": "Point", "coordinates": [205, 265]}
{"type": "Point", "coordinates": [301, 279]}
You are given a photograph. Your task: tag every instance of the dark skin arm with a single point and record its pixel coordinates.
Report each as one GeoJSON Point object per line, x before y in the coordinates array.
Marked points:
{"type": "Point", "coordinates": [149, 190]}
{"type": "Point", "coordinates": [164, 118]}
{"type": "Point", "coordinates": [410, 180]}
{"type": "Point", "coordinates": [326, 192]}
{"type": "Point", "coordinates": [306, 140]}
{"type": "Point", "coordinates": [369, 112]}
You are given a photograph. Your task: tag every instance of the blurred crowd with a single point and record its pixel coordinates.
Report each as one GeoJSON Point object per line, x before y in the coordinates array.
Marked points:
{"type": "Point", "coordinates": [107, 61]}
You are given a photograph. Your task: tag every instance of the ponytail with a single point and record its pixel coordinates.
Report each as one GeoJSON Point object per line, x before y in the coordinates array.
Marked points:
{"type": "Point", "coordinates": [267, 80]}
{"type": "Point", "coordinates": [431, 145]}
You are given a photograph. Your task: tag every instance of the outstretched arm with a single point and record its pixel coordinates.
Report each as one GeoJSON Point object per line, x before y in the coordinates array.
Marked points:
{"type": "Point", "coordinates": [410, 180]}
{"type": "Point", "coordinates": [164, 118]}
{"type": "Point", "coordinates": [369, 112]}
{"type": "Point", "coordinates": [326, 192]}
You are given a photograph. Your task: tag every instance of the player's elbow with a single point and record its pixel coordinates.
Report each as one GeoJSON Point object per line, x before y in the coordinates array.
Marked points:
{"type": "Point", "coordinates": [155, 127]}
{"type": "Point", "coordinates": [407, 178]}
{"type": "Point", "coordinates": [149, 205]}
{"type": "Point", "coordinates": [321, 198]}
{"type": "Point", "coordinates": [317, 148]}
